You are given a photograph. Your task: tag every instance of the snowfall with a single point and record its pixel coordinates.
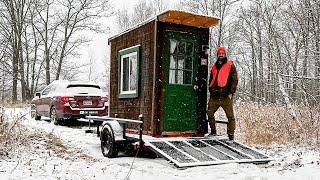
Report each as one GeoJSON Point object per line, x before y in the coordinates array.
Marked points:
{"type": "Point", "coordinates": [79, 157]}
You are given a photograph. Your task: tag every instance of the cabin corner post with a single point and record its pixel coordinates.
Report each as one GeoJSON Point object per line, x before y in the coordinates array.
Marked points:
{"type": "Point", "coordinates": [141, 130]}
{"type": "Point", "coordinates": [202, 88]}
{"type": "Point", "coordinates": [154, 115]}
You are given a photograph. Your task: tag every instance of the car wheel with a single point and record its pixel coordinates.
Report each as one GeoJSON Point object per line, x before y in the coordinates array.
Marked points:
{"type": "Point", "coordinates": [36, 117]}
{"type": "Point", "coordinates": [34, 113]}
{"type": "Point", "coordinates": [108, 144]}
{"type": "Point", "coordinates": [53, 116]}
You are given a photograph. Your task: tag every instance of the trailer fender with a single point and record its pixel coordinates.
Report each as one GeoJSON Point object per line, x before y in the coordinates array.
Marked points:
{"type": "Point", "coordinates": [116, 128]}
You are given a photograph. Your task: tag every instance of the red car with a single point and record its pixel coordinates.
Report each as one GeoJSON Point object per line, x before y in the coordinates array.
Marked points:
{"type": "Point", "coordinates": [69, 100]}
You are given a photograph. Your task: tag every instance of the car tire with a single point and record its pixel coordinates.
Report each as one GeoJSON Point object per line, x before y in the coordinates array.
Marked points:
{"type": "Point", "coordinates": [109, 147]}
{"type": "Point", "coordinates": [37, 117]}
{"type": "Point", "coordinates": [53, 116]}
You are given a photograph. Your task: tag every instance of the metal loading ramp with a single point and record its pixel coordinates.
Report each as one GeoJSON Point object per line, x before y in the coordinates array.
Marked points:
{"type": "Point", "coordinates": [204, 151]}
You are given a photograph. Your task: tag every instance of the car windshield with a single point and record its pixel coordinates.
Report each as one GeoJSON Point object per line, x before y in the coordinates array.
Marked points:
{"type": "Point", "coordinates": [83, 88]}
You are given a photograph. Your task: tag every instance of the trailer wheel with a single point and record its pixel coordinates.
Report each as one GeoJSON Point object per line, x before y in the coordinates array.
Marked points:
{"type": "Point", "coordinates": [108, 144]}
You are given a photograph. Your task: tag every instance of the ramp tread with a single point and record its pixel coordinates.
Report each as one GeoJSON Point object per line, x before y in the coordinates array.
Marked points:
{"type": "Point", "coordinates": [226, 149]}
{"type": "Point", "coordinates": [172, 152]}
{"type": "Point", "coordinates": [197, 154]}
{"type": "Point", "coordinates": [187, 152]}
{"type": "Point", "coordinates": [210, 150]}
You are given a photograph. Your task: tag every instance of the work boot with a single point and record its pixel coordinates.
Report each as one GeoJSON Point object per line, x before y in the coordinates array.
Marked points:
{"type": "Point", "coordinates": [231, 137]}
{"type": "Point", "coordinates": [212, 134]}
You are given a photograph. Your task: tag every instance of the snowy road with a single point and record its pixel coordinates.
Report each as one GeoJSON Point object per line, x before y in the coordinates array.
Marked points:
{"type": "Point", "coordinates": [82, 159]}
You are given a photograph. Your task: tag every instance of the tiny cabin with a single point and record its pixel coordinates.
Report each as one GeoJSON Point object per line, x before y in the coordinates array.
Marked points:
{"type": "Point", "coordinates": [159, 69]}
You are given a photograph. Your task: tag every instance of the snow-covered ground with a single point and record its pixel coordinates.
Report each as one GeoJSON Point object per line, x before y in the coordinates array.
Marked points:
{"type": "Point", "coordinates": [78, 156]}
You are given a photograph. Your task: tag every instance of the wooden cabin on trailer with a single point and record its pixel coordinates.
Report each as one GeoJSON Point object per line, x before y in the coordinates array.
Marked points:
{"type": "Point", "coordinates": [159, 69]}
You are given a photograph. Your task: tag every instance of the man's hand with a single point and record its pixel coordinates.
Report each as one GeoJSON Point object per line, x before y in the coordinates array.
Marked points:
{"type": "Point", "coordinates": [230, 96]}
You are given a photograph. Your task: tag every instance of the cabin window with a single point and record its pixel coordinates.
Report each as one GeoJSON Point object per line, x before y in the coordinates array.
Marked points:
{"type": "Point", "coordinates": [128, 72]}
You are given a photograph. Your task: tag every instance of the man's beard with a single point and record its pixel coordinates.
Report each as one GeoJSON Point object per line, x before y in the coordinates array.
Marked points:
{"type": "Point", "coordinates": [221, 61]}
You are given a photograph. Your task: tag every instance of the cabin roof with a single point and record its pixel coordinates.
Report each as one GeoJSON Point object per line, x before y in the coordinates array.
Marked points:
{"type": "Point", "coordinates": [177, 17]}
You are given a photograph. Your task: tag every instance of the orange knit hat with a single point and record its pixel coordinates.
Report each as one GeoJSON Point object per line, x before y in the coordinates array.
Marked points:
{"type": "Point", "coordinates": [221, 50]}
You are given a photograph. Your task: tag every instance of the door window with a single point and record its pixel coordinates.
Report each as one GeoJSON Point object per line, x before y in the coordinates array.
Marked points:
{"type": "Point", "coordinates": [181, 62]}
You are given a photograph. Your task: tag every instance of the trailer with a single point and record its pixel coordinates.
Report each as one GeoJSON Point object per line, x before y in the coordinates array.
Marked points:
{"type": "Point", "coordinates": [158, 94]}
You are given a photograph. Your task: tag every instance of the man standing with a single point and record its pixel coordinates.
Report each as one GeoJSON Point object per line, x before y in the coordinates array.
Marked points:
{"type": "Point", "coordinates": [222, 85]}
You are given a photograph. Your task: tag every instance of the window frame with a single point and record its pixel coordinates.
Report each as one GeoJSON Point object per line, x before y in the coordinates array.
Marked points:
{"type": "Point", "coordinates": [176, 69]}
{"type": "Point", "coordinates": [134, 50]}
{"type": "Point", "coordinates": [46, 90]}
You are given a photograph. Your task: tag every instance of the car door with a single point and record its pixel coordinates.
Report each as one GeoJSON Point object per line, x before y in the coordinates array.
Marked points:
{"type": "Point", "coordinates": [45, 101]}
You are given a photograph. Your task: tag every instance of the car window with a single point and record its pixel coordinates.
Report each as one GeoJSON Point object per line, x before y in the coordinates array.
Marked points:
{"type": "Point", "coordinates": [46, 90]}
{"type": "Point", "coordinates": [53, 88]}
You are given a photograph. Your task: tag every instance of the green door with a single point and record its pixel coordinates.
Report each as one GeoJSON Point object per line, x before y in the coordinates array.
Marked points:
{"type": "Point", "coordinates": [180, 64]}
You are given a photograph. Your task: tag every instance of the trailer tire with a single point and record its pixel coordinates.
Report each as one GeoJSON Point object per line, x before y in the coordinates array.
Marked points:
{"type": "Point", "coordinates": [109, 146]}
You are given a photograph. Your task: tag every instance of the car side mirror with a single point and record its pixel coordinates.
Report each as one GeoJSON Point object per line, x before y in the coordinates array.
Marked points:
{"type": "Point", "coordinates": [38, 94]}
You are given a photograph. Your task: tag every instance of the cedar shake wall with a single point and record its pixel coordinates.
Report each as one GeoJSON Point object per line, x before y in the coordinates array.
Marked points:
{"type": "Point", "coordinates": [131, 108]}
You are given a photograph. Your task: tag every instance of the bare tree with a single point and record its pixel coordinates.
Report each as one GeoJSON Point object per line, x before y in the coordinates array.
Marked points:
{"type": "Point", "coordinates": [14, 14]}
{"type": "Point", "coordinates": [123, 20]}
{"type": "Point", "coordinates": [80, 16]}
{"type": "Point", "coordinates": [37, 35]}
{"type": "Point", "coordinates": [142, 10]}
{"type": "Point", "coordinates": [44, 21]}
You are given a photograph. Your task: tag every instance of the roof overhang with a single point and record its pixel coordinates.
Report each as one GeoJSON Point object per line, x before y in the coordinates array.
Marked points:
{"type": "Point", "coordinates": [177, 17]}
{"type": "Point", "coordinates": [188, 19]}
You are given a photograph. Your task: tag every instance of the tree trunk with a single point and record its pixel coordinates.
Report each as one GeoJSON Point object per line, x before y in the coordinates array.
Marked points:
{"type": "Point", "coordinates": [61, 60]}
{"type": "Point", "coordinates": [27, 82]}
{"type": "Point", "coordinates": [285, 95]}
{"type": "Point", "coordinates": [47, 50]}
{"type": "Point", "coordinates": [260, 60]}
{"type": "Point", "coordinates": [254, 74]}
{"type": "Point", "coordinates": [65, 42]}
{"type": "Point", "coordinates": [21, 71]}
{"type": "Point", "coordinates": [33, 66]}
{"type": "Point", "coordinates": [269, 80]}
{"type": "Point", "coordinates": [15, 79]}
{"type": "Point", "coordinates": [3, 85]}
{"type": "Point", "coordinates": [295, 70]}
{"type": "Point", "coordinates": [220, 23]}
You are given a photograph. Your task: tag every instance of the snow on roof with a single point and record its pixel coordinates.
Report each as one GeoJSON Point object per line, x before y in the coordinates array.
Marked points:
{"type": "Point", "coordinates": [62, 87]}
{"type": "Point", "coordinates": [176, 17]}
